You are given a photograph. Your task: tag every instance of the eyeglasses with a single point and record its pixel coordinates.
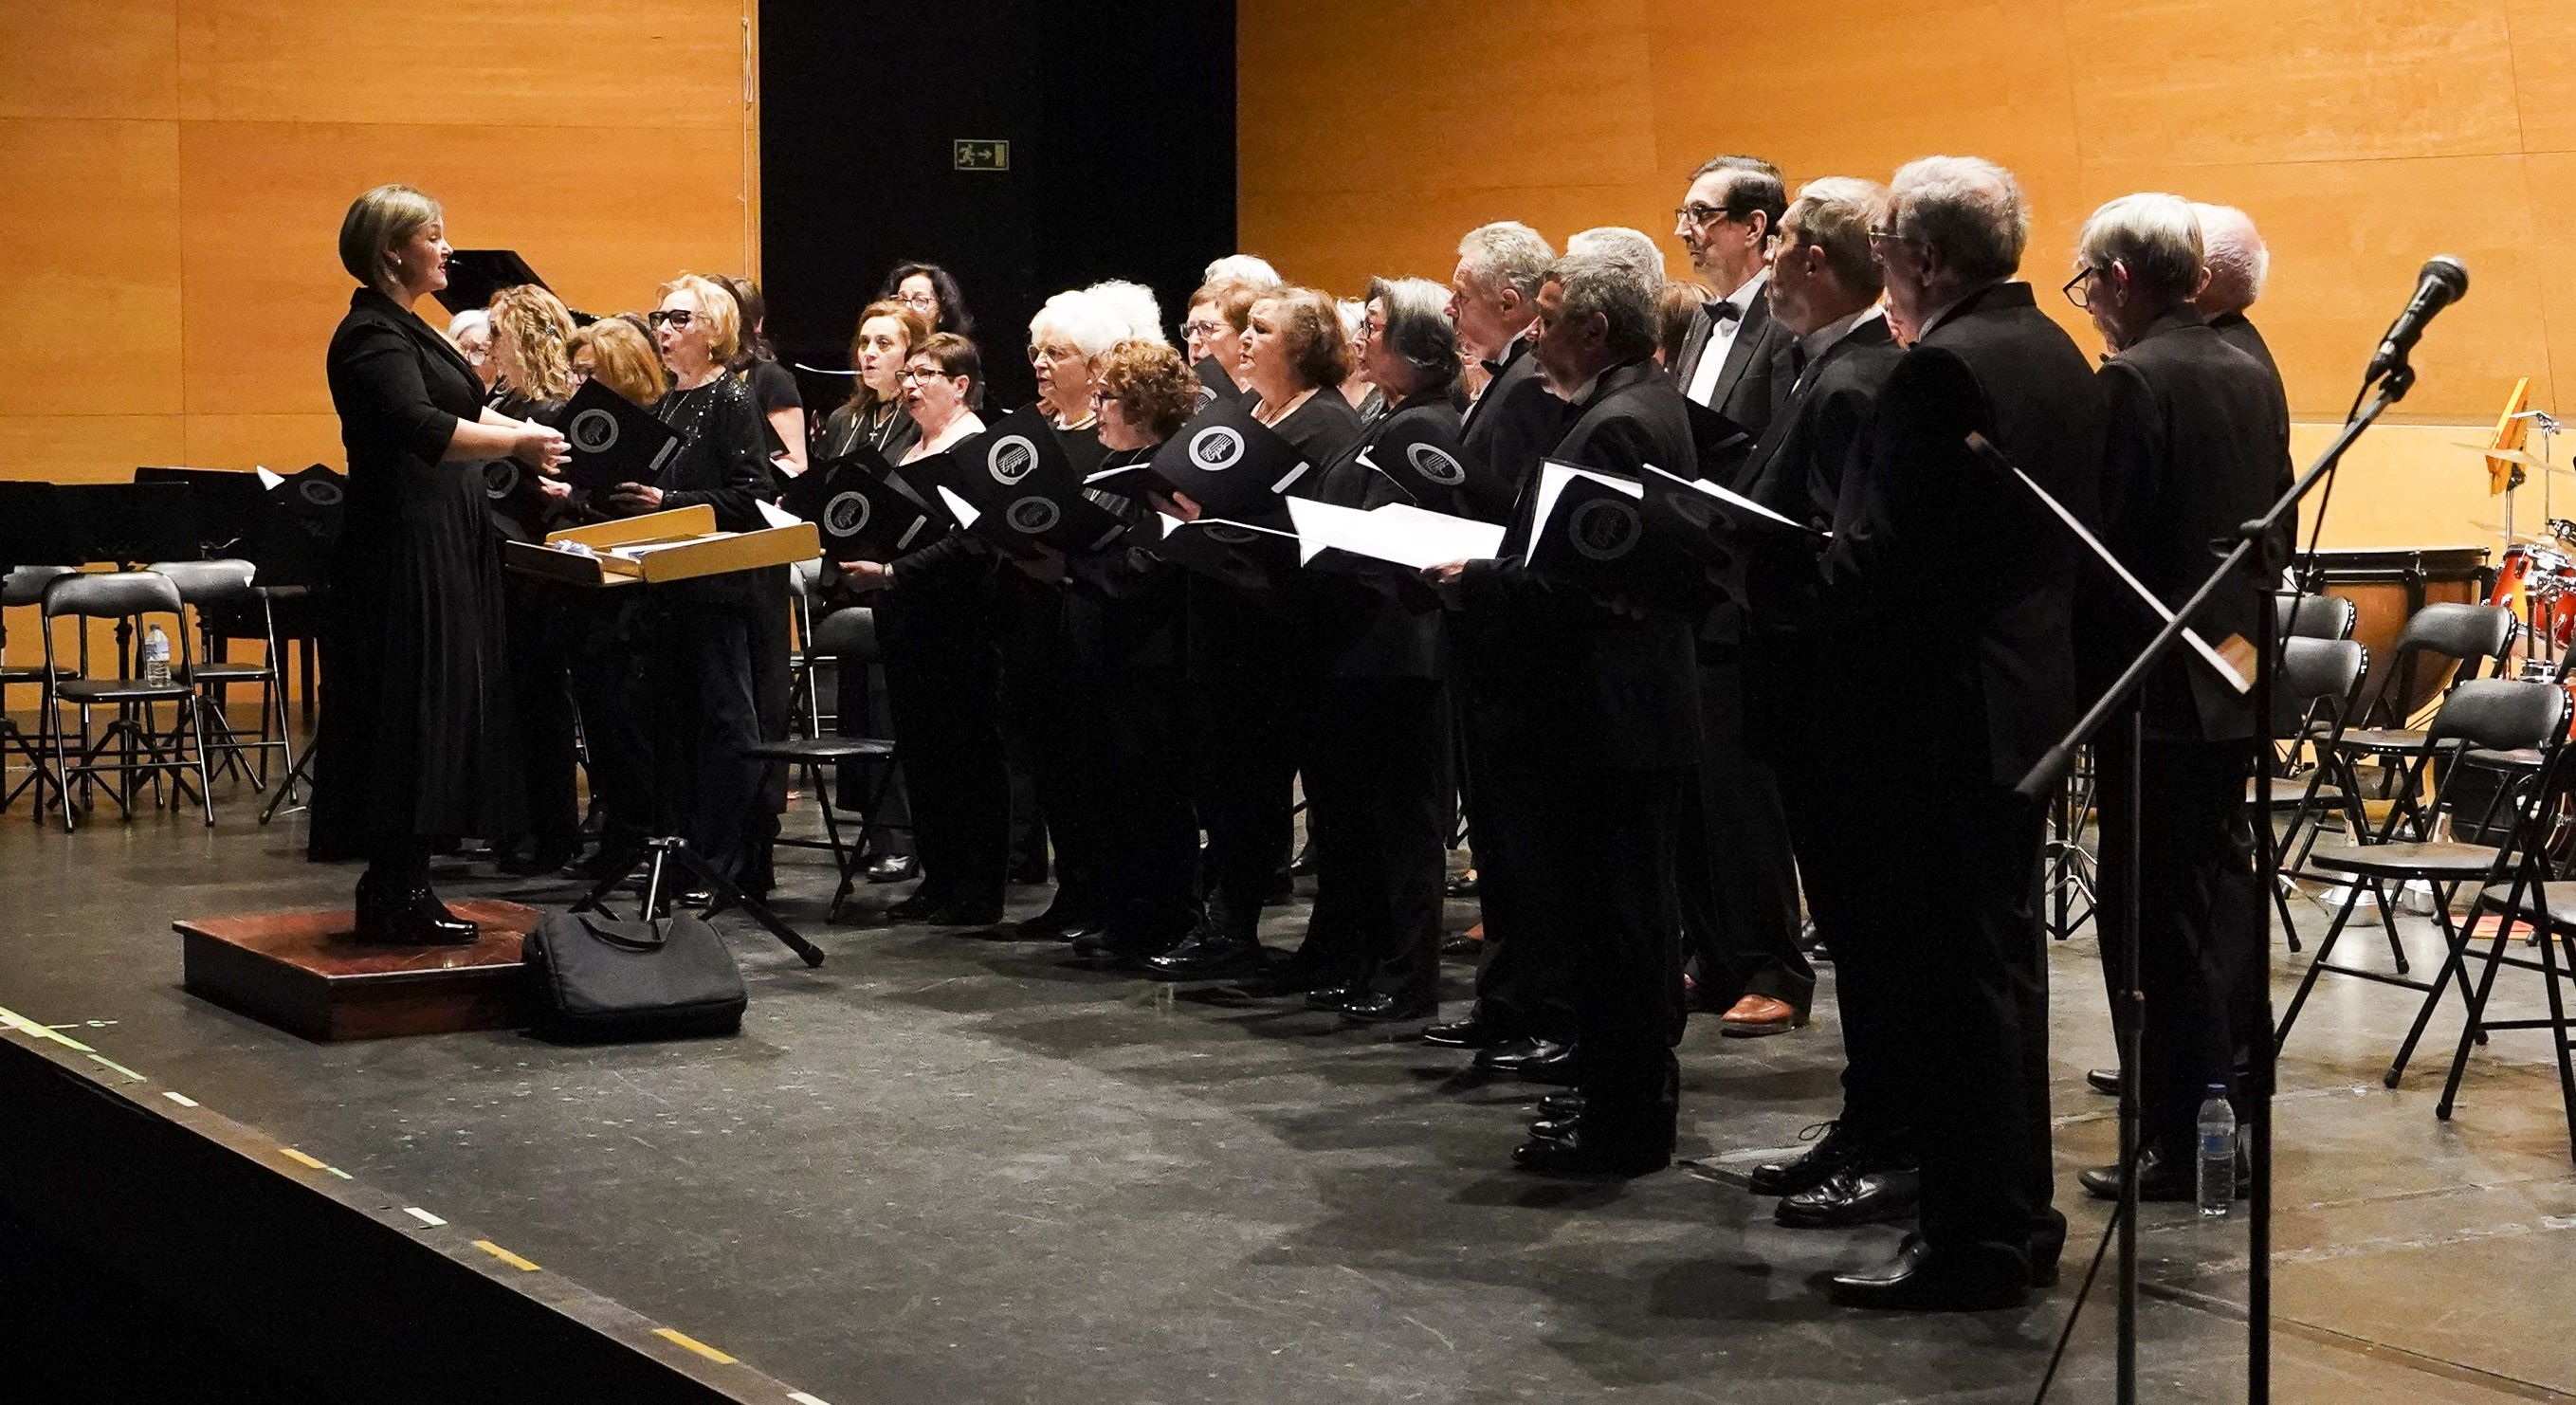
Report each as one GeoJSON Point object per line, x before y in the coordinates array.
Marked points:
{"type": "Point", "coordinates": [1696, 213]}
{"type": "Point", "coordinates": [1201, 330]}
{"type": "Point", "coordinates": [2076, 290]}
{"type": "Point", "coordinates": [917, 299]}
{"type": "Point", "coordinates": [1053, 353]}
{"type": "Point", "coordinates": [675, 316]}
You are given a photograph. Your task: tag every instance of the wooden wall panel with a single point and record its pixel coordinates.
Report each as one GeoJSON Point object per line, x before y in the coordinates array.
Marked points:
{"type": "Point", "coordinates": [173, 172]}
{"type": "Point", "coordinates": [2363, 137]}
{"type": "Point", "coordinates": [89, 266]}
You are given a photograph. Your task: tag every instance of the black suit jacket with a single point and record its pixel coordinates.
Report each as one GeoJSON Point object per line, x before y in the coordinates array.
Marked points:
{"type": "Point", "coordinates": [2237, 330]}
{"type": "Point", "coordinates": [1504, 432]}
{"type": "Point", "coordinates": [1797, 470]}
{"type": "Point", "coordinates": [1947, 572]}
{"type": "Point", "coordinates": [1357, 622]}
{"type": "Point", "coordinates": [1555, 669]}
{"type": "Point", "coordinates": [2197, 441]}
{"type": "Point", "coordinates": [1752, 383]}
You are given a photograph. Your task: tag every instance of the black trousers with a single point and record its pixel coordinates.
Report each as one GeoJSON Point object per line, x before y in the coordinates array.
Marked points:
{"type": "Point", "coordinates": [1054, 706]}
{"type": "Point", "coordinates": [1525, 973]}
{"type": "Point", "coordinates": [612, 686]}
{"type": "Point", "coordinates": [1955, 927]}
{"type": "Point", "coordinates": [1737, 881]}
{"type": "Point", "coordinates": [1607, 841]}
{"type": "Point", "coordinates": [1377, 805]}
{"type": "Point", "coordinates": [1801, 720]}
{"type": "Point", "coordinates": [707, 684]}
{"type": "Point", "coordinates": [2202, 923]}
{"type": "Point", "coordinates": [943, 672]}
{"type": "Point", "coordinates": [1248, 690]}
{"type": "Point", "coordinates": [541, 640]}
{"type": "Point", "coordinates": [862, 707]}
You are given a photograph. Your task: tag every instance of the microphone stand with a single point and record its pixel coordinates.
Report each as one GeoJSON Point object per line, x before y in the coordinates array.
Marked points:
{"type": "Point", "coordinates": [2258, 1128]}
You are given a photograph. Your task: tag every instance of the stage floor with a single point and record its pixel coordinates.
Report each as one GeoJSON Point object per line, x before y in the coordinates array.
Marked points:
{"type": "Point", "coordinates": [949, 1168]}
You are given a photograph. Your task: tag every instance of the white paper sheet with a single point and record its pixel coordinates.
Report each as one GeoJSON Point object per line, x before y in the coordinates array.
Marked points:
{"type": "Point", "coordinates": [777, 516]}
{"type": "Point", "coordinates": [958, 507]}
{"type": "Point", "coordinates": [1735, 501]}
{"type": "Point", "coordinates": [1398, 533]}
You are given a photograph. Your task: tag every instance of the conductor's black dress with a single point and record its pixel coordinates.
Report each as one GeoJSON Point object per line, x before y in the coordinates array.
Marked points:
{"type": "Point", "coordinates": [415, 740]}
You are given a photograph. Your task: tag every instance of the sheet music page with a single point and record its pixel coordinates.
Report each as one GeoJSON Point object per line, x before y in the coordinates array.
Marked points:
{"type": "Point", "coordinates": [1397, 533]}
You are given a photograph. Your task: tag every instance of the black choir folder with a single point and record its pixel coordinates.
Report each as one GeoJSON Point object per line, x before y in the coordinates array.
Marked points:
{"type": "Point", "coordinates": [1227, 462]}
{"type": "Point", "coordinates": [1214, 383]}
{"type": "Point", "coordinates": [614, 440]}
{"type": "Point", "coordinates": [1014, 486]}
{"type": "Point", "coordinates": [861, 515]}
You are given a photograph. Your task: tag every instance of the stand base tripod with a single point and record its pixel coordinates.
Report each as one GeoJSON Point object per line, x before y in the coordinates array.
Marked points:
{"type": "Point", "coordinates": [655, 862]}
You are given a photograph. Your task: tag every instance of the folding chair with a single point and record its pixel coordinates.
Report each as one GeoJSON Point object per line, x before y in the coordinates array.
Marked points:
{"type": "Point", "coordinates": [2479, 718]}
{"type": "Point", "coordinates": [2314, 685]}
{"type": "Point", "coordinates": [134, 597]}
{"type": "Point", "coordinates": [24, 588]}
{"type": "Point", "coordinates": [209, 588]}
{"type": "Point", "coordinates": [2315, 616]}
{"type": "Point", "coordinates": [2526, 901]}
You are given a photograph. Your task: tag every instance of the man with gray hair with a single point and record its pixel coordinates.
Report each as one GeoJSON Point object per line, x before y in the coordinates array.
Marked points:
{"type": "Point", "coordinates": [1585, 713]}
{"type": "Point", "coordinates": [2236, 262]}
{"type": "Point", "coordinates": [1726, 220]}
{"type": "Point", "coordinates": [1493, 297]}
{"type": "Point", "coordinates": [2197, 443]}
{"type": "Point", "coordinates": [1954, 578]}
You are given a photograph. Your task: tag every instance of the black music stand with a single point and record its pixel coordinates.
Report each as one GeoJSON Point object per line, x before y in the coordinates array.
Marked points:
{"type": "Point", "coordinates": [659, 855]}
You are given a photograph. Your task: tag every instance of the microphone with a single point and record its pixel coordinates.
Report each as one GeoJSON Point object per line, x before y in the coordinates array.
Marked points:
{"type": "Point", "coordinates": [2443, 281]}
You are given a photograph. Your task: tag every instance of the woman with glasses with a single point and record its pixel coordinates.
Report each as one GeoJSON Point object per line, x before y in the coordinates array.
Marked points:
{"type": "Point", "coordinates": [703, 682]}
{"type": "Point", "coordinates": [415, 742]}
{"type": "Point", "coordinates": [1213, 331]}
{"type": "Point", "coordinates": [932, 295]}
{"type": "Point", "coordinates": [618, 354]}
{"type": "Point", "coordinates": [1244, 670]}
{"type": "Point", "coordinates": [938, 628]}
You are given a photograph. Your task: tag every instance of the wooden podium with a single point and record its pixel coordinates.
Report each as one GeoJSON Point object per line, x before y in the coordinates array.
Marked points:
{"type": "Point", "coordinates": [660, 547]}
{"type": "Point", "coordinates": [305, 973]}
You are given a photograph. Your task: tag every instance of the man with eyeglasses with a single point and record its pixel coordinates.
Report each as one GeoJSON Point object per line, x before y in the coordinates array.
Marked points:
{"type": "Point", "coordinates": [1954, 579]}
{"type": "Point", "coordinates": [1726, 221]}
{"type": "Point", "coordinates": [2198, 442]}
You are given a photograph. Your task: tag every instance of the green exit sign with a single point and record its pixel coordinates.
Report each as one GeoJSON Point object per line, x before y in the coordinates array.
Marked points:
{"type": "Point", "coordinates": [980, 155]}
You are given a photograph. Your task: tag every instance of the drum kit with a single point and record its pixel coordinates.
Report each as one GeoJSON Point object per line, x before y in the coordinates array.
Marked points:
{"type": "Point", "coordinates": [2538, 573]}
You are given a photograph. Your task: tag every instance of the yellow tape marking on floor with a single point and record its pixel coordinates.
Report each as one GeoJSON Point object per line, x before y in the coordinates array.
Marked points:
{"type": "Point", "coordinates": [504, 1255]}
{"type": "Point", "coordinates": [11, 1019]}
{"type": "Point", "coordinates": [701, 1348]}
{"type": "Point", "coordinates": [801, 1398]}
{"type": "Point", "coordinates": [105, 1062]}
{"type": "Point", "coordinates": [181, 1099]}
{"type": "Point", "coordinates": [300, 1159]}
{"type": "Point", "coordinates": [423, 1216]}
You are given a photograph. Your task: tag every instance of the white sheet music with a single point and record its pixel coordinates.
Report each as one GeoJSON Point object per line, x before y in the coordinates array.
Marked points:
{"type": "Point", "coordinates": [958, 507]}
{"type": "Point", "coordinates": [1736, 501]}
{"type": "Point", "coordinates": [1398, 533]}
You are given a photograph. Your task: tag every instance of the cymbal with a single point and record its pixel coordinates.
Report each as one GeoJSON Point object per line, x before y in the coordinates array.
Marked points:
{"type": "Point", "coordinates": [2515, 456]}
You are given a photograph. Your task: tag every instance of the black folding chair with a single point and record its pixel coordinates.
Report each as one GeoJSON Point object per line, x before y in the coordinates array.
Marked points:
{"type": "Point", "coordinates": [2480, 723]}
{"type": "Point", "coordinates": [2315, 686]}
{"type": "Point", "coordinates": [21, 589]}
{"type": "Point", "coordinates": [2528, 903]}
{"type": "Point", "coordinates": [134, 597]}
{"type": "Point", "coordinates": [2315, 616]}
{"type": "Point", "coordinates": [230, 587]}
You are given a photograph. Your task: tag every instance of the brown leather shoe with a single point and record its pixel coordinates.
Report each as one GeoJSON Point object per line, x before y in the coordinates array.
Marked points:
{"type": "Point", "coordinates": [1757, 1015]}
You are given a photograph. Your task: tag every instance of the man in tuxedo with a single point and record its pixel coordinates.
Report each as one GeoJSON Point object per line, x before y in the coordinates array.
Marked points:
{"type": "Point", "coordinates": [2197, 442]}
{"type": "Point", "coordinates": [1523, 1013]}
{"type": "Point", "coordinates": [2234, 262]}
{"type": "Point", "coordinates": [1953, 578]}
{"type": "Point", "coordinates": [1804, 719]}
{"type": "Point", "coordinates": [1593, 727]}
{"type": "Point", "coordinates": [1726, 221]}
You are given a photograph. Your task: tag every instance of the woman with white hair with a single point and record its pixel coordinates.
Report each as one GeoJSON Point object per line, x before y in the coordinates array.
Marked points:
{"type": "Point", "coordinates": [1071, 329]}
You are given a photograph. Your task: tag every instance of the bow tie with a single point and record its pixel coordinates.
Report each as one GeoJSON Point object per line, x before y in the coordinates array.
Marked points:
{"type": "Point", "coordinates": [1723, 311]}
{"type": "Point", "coordinates": [1492, 368]}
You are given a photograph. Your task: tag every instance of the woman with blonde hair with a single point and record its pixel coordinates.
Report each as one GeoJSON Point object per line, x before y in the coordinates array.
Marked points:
{"type": "Point", "coordinates": [415, 742]}
{"type": "Point", "coordinates": [618, 354]}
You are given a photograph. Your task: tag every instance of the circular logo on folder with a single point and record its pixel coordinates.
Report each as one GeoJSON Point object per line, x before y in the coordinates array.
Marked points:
{"type": "Point", "coordinates": [845, 514]}
{"type": "Point", "coordinates": [593, 431]}
{"type": "Point", "coordinates": [1436, 464]}
{"type": "Point", "coordinates": [1603, 529]}
{"type": "Point", "coordinates": [1033, 516]}
{"type": "Point", "coordinates": [1694, 509]}
{"type": "Point", "coordinates": [321, 492]}
{"type": "Point", "coordinates": [500, 478]}
{"type": "Point", "coordinates": [1012, 459]}
{"type": "Point", "coordinates": [1231, 536]}
{"type": "Point", "coordinates": [1216, 448]}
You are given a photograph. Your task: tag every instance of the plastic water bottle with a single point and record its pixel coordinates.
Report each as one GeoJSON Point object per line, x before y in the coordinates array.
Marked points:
{"type": "Point", "coordinates": [2217, 1181]}
{"type": "Point", "coordinates": [156, 657]}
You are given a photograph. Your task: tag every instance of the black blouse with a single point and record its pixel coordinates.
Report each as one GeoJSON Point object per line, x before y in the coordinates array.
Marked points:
{"type": "Point", "coordinates": [721, 461]}
{"type": "Point", "coordinates": [850, 428]}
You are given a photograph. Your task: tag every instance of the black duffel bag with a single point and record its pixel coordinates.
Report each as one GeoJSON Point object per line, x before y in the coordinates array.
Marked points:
{"type": "Point", "coordinates": [598, 978]}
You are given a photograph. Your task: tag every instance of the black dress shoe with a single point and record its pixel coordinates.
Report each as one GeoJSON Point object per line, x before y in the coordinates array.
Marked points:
{"type": "Point", "coordinates": [919, 907]}
{"type": "Point", "coordinates": [1532, 1061]}
{"type": "Point", "coordinates": [408, 915]}
{"type": "Point", "coordinates": [2103, 1080]}
{"type": "Point", "coordinates": [1117, 948]}
{"type": "Point", "coordinates": [2161, 1181]}
{"type": "Point", "coordinates": [1850, 1198]}
{"type": "Point", "coordinates": [1840, 1149]}
{"type": "Point", "coordinates": [1473, 1032]}
{"type": "Point", "coordinates": [1583, 1153]}
{"type": "Point", "coordinates": [1379, 1007]}
{"type": "Point", "coordinates": [1208, 956]}
{"type": "Point", "coordinates": [1329, 997]}
{"type": "Point", "coordinates": [1969, 1278]}
{"type": "Point", "coordinates": [1557, 1129]}
{"type": "Point", "coordinates": [1565, 1104]}
{"type": "Point", "coordinates": [2047, 1246]}
{"type": "Point", "coordinates": [1461, 885]}
{"type": "Point", "coordinates": [894, 868]}
{"type": "Point", "coordinates": [1052, 924]}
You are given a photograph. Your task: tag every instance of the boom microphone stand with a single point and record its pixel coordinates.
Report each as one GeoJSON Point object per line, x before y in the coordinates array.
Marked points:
{"type": "Point", "coordinates": [2442, 282]}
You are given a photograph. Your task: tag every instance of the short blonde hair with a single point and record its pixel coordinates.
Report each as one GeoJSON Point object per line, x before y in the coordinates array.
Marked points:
{"type": "Point", "coordinates": [539, 329]}
{"type": "Point", "coordinates": [716, 304]}
{"type": "Point", "coordinates": [376, 222]}
{"type": "Point", "coordinates": [622, 358]}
